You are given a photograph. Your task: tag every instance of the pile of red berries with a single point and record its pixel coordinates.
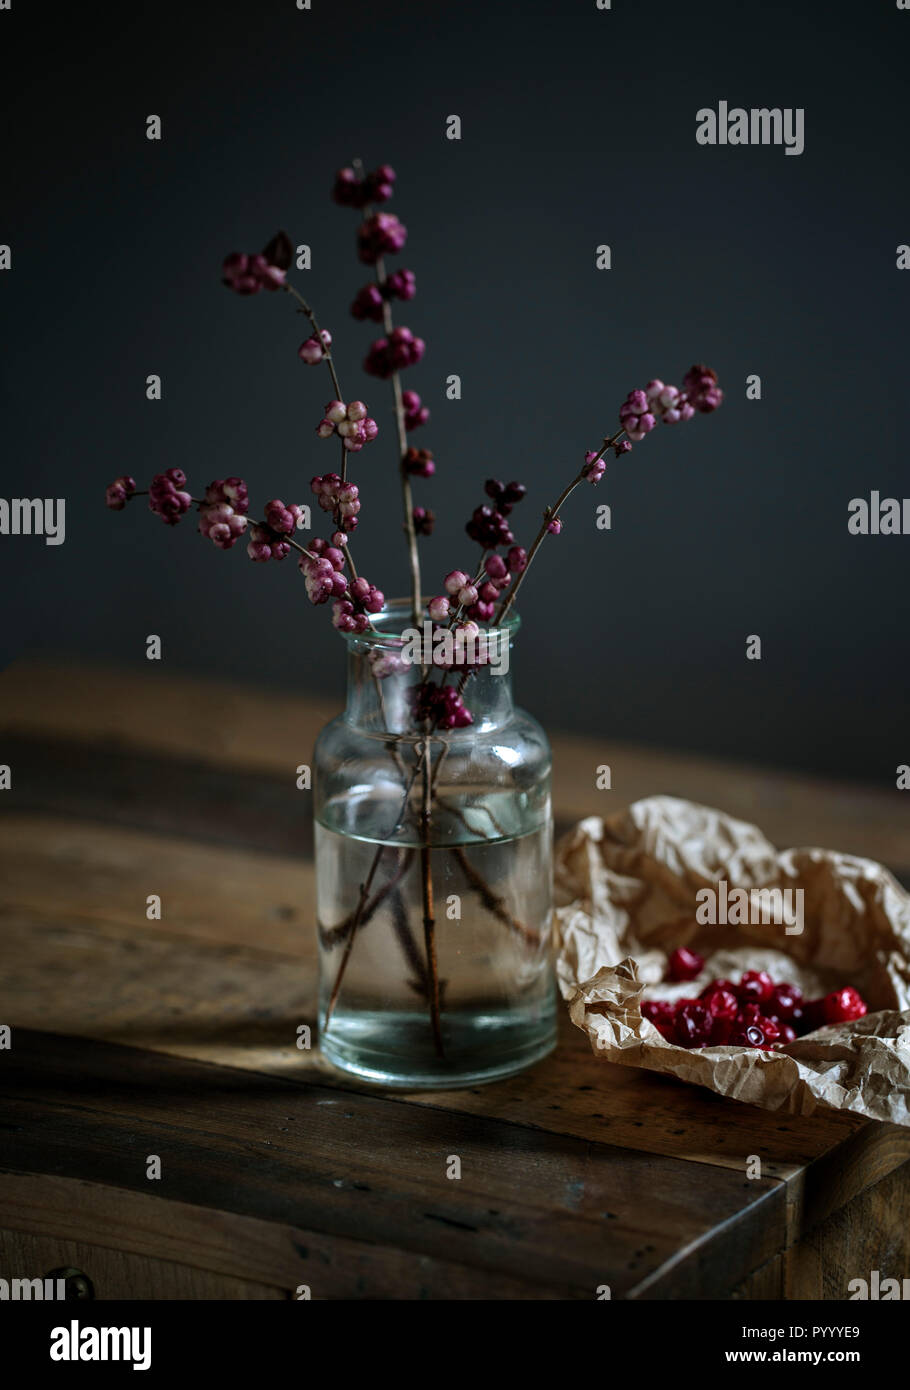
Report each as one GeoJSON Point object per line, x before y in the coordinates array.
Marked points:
{"type": "Point", "coordinates": [756, 1012]}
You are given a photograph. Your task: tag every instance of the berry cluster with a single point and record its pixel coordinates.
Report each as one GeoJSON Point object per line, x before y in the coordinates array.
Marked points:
{"type": "Point", "coordinates": [596, 466]}
{"type": "Point", "coordinates": [641, 410]}
{"type": "Point", "coordinates": [340, 498]}
{"type": "Point", "coordinates": [401, 284]}
{"type": "Point", "coordinates": [701, 388]}
{"type": "Point", "coordinates": [419, 463]}
{"type": "Point", "coordinates": [351, 422]}
{"type": "Point", "coordinates": [458, 586]}
{"type": "Point", "coordinates": [322, 570]}
{"type": "Point", "coordinates": [671, 404]}
{"type": "Point", "coordinates": [119, 492]}
{"type": "Point", "coordinates": [353, 192]}
{"type": "Point", "coordinates": [369, 302]}
{"type": "Point", "coordinates": [312, 350]}
{"type": "Point", "coordinates": [392, 354]}
{"type": "Point", "coordinates": [270, 542]}
{"type": "Point", "coordinates": [440, 705]}
{"type": "Point", "coordinates": [222, 514]}
{"type": "Point", "coordinates": [479, 599]}
{"type": "Point", "coordinates": [756, 1012]}
{"type": "Point", "coordinates": [248, 274]}
{"type": "Point", "coordinates": [488, 524]}
{"type": "Point", "coordinates": [415, 414]}
{"type": "Point", "coordinates": [498, 578]}
{"type": "Point", "coordinates": [635, 415]}
{"type": "Point", "coordinates": [351, 614]}
{"type": "Point", "coordinates": [380, 235]}
{"type": "Point", "coordinates": [167, 496]}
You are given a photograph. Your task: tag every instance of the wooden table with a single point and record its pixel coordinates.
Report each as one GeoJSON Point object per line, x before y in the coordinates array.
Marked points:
{"type": "Point", "coordinates": [176, 1038]}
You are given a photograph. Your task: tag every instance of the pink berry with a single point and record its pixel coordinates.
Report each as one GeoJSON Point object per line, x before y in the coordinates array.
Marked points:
{"type": "Point", "coordinates": [496, 567]}
{"type": "Point", "coordinates": [455, 580]}
{"type": "Point", "coordinates": [312, 350]}
{"type": "Point", "coordinates": [119, 492]}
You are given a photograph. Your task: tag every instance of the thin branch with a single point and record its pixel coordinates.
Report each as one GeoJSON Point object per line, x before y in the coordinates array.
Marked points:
{"type": "Point", "coordinates": [492, 902]}
{"type": "Point", "coordinates": [549, 515]}
{"type": "Point", "coordinates": [352, 932]}
{"type": "Point", "coordinates": [407, 496]}
{"type": "Point", "coordinates": [429, 916]}
{"type": "Point", "coordinates": [317, 333]}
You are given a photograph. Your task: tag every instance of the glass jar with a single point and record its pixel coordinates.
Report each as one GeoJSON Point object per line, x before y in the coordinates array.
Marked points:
{"type": "Point", "coordinates": [433, 867]}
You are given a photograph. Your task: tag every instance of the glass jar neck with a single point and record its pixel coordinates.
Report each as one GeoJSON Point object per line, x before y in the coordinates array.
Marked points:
{"type": "Point", "coordinates": [400, 676]}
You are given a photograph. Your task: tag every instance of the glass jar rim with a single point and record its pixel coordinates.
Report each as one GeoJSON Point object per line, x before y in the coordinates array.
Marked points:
{"type": "Point", "coordinates": [398, 613]}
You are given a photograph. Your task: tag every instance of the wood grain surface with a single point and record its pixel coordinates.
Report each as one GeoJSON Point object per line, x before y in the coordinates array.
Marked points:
{"type": "Point", "coordinates": [179, 1038]}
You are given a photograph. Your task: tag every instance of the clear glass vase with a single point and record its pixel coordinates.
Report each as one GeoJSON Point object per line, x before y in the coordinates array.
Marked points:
{"type": "Point", "coordinates": [434, 877]}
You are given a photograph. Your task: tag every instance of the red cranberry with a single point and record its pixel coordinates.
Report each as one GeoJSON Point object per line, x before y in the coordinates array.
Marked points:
{"type": "Point", "coordinates": [722, 1029]}
{"type": "Point", "coordinates": [748, 1037]}
{"type": "Point", "coordinates": [785, 999]}
{"type": "Point", "coordinates": [718, 984]}
{"type": "Point", "coordinates": [771, 1029]}
{"type": "Point", "coordinates": [749, 1013]}
{"type": "Point", "coordinates": [787, 1034]}
{"type": "Point", "coordinates": [843, 1005]}
{"type": "Point", "coordinates": [662, 1014]}
{"type": "Point", "coordinates": [658, 1010]}
{"type": "Point", "coordinates": [721, 1003]}
{"type": "Point", "coordinates": [693, 1025]}
{"type": "Point", "coordinates": [684, 964]}
{"type": "Point", "coordinates": [755, 985]}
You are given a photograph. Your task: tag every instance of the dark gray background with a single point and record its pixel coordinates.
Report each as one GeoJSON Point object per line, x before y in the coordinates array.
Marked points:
{"type": "Point", "coordinates": [579, 128]}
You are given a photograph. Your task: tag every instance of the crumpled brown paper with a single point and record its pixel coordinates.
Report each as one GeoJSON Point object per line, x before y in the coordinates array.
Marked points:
{"type": "Point", "coordinates": [629, 887]}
